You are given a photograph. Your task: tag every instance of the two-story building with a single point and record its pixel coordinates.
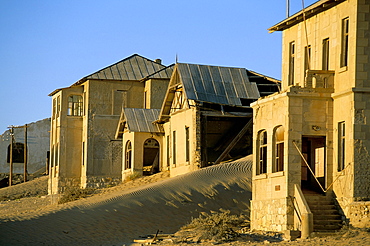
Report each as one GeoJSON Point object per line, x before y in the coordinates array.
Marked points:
{"type": "Point", "coordinates": [205, 118]}
{"type": "Point", "coordinates": [84, 151]}
{"type": "Point", "coordinates": [312, 139]}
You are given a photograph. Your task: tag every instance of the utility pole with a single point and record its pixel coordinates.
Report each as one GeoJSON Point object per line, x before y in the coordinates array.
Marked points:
{"type": "Point", "coordinates": [25, 154]}
{"type": "Point", "coordinates": [11, 156]}
{"type": "Point", "coordinates": [287, 8]}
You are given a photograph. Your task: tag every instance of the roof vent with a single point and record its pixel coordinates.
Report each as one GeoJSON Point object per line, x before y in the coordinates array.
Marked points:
{"type": "Point", "coordinates": [159, 61]}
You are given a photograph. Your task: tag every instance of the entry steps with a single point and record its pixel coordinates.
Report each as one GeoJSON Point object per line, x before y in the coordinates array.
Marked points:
{"type": "Point", "coordinates": [326, 217]}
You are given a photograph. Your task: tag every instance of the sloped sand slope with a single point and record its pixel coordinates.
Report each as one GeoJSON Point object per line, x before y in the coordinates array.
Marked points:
{"type": "Point", "coordinates": [124, 215]}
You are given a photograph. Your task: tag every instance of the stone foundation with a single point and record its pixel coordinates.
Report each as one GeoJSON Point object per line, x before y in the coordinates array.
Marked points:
{"type": "Point", "coordinates": [359, 214]}
{"type": "Point", "coordinates": [102, 182]}
{"type": "Point", "coordinates": [271, 215]}
{"type": "Point", "coordinates": [17, 178]}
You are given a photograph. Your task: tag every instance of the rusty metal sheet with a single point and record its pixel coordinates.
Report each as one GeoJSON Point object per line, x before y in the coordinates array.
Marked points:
{"type": "Point", "coordinates": [222, 85]}
{"type": "Point", "coordinates": [141, 120]}
{"type": "Point", "coordinates": [134, 67]}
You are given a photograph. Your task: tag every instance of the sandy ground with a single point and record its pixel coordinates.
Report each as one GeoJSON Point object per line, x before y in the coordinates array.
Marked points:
{"type": "Point", "coordinates": [118, 215]}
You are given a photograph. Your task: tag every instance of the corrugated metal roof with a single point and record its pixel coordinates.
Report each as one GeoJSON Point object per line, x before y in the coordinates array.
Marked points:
{"type": "Point", "coordinates": [134, 67]}
{"type": "Point", "coordinates": [222, 85]}
{"type": "Point", "coordinates": [141, 120]}
{"type": "Point", "coordinates": [164, 73]}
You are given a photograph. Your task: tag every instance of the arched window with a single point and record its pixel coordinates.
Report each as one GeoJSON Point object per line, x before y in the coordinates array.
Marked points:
{"type": "Point", "coordinates": [262, 152]}
{"type": "Point", "coordinates": [278, 161]}
{"type": "Point", "coordinates": [128, 155]}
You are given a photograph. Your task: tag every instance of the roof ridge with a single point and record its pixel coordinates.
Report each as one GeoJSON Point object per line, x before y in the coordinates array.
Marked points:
{"type": "Point", "coordinates": [83, 79]}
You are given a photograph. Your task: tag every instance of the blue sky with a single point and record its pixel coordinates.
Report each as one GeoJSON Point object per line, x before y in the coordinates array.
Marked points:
{"type": "Point", "coordinates": [46, 45]}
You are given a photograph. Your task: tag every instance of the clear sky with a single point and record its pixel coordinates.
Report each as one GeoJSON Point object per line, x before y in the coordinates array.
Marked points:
{"type": "Point", "coordinates": [50, 44]}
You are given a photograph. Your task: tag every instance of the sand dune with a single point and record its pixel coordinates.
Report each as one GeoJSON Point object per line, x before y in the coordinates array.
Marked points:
{"type": "Point", "coordinates": [119, 217]}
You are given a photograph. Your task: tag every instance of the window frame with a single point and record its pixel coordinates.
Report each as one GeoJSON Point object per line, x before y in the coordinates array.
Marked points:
{"type": "Point", "coordinates": [75, 105]}
{"type": "Point", "coordinates": [187, 144]}
{"type": "Point", "coordinates": [278, 144]}
{"type": "Point", "coordinates": [325, 54]}
{"type": "Point", "coordinates": [174, 147]}
{"type": "Point", "coordinates": [291, 63]}
{"type": "Point", "coordinates": [128, 155]}
{"type": "Point", "coordinates": [261, 152]}
{"type": "Point", "coordinates": [344, 43]}
{"type": "Point", "coordinates": [307, 58]}
{"type": "Point", "coordinates": [341, 145]}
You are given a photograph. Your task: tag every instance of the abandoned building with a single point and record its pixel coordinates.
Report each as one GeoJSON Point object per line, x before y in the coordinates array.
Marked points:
{"type": "Point", "coordinates": [312, 139]}
{"type": "Point", "coordinates": [38, 140]}
{"type": "Point", "coordinates": [205, 118]}
{"type": "Point", "coordinates": [84, 151]}
{"type": "Point", "coordinates": [126, 119]}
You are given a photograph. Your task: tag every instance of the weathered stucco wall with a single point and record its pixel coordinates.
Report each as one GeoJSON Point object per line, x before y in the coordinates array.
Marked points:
{"type": "Point", "coordinates": [181, 120]}
{"type": "Point", "coordinates": [137, 153]}
{"type": "Point", "coordinates": [38, 139]}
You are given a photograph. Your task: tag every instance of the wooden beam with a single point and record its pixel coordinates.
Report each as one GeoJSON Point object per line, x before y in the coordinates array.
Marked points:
{"type": "Point", "coordinates": [234, 142]}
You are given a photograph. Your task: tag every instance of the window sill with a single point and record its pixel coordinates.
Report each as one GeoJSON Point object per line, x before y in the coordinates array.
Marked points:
{"type": "Point", "coordinates": [260, 176]}
{"type": "Point", "coordinates": [277, 174]}
{"type": "Point", "coordinates": [343, 69]}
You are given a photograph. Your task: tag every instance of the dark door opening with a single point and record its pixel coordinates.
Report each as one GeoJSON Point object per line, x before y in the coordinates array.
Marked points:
{"type": "Point", "coordinates": [151, 157]}
{"type": "Point", "coordinates": [314, 151]}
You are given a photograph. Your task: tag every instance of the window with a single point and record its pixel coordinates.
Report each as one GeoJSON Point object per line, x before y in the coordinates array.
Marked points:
{"type": "Point", "coordinates": [279, 149]}
{"type": "Point", "coordinates": [128, 155]}
{"type": "Point", "coordinates": [17, 155]}
{"type": "Point", "coordinates": [54, 107]}
{"type": "Point", "coordinates": [174, 147]}
{"type": "Point", "coordinates": [168, 150]}
{"type": "Point", "coordinates": [344, 45]}
{"type": "Point", "coordinates": [119, 101]}
{"type": "Point", "coordinates": [307, 58]}
{"type": "Point", "coordinates": [341, 145]}
{"type": "Point", "coordinates": [52, 156]}
{"type": "Point", "coordinates": [56, 154]}
{"type": "Point", "coordinates": [187, 144]}
{"type": "Point", "coordinates": [75, 105]}
{"type": "Point", "coordinates": [58, 106]}
{"type": "Point", "coordinates": [262, 152]}
{"type": "Point", "coordinates": [325, 54]}
{"type": "Point", "coordinates": [83, 153]}
{"type": "Point", "coordinates": [291, 63]}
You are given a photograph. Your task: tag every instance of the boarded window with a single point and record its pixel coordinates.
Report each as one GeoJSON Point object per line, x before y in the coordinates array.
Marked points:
{"type": "Point", "coordinates": [17, 153]}
{"type": "Point", "coordinates": [119, 101]}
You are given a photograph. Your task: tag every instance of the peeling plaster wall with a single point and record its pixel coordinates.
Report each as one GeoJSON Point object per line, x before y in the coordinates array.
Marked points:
{"type": "Point", "coordinates": [38, 139]}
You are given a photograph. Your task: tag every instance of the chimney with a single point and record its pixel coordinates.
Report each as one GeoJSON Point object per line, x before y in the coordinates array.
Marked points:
{"type": "Point", "coordinates": [159, 61]}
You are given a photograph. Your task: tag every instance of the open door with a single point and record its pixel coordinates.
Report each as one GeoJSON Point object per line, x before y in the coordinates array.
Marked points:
{"type": "Point", "coordinates": [151, 157]}
{"type": "Point", "coordinates": [314, 151]}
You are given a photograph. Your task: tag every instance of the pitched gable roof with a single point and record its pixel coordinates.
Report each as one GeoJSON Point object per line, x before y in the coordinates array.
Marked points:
{"type": "Point", "coordinates": [135, 67]}
{"type": "Point", "coordinates": [222, 85]}
{"type": "Point", "coordinates": [138, 120]}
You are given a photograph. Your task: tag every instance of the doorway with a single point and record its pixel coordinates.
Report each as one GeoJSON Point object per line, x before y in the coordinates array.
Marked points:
{"type": "Point", "coordinates": [314, 151]}
{"type": "Point", "coordinates": [151, 157]}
